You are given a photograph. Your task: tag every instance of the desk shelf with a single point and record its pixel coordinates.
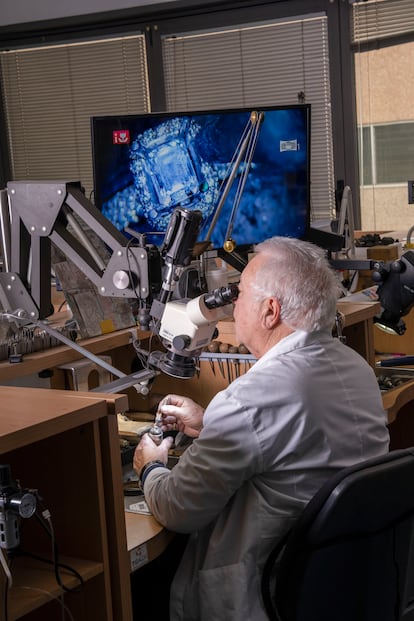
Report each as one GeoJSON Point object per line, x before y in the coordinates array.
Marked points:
{"type": "Point", "coordinates": [62, 354]}
{"type": "Point", "coordinates": [64, 445]}
{"type": "Point", "coordinates": [35, 587]}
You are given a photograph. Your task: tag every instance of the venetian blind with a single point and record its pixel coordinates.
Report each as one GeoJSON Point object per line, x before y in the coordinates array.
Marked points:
{"type": "Point", "coordinates": [377, 20]}
{"type": "Point", "coordinates": [270, 64]}
{"type": "Point", "coordinates": [51, 92]}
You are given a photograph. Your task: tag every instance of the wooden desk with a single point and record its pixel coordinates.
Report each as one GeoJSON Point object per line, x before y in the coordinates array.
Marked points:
{"type": "Point", "coordinates": [394, 400]}
{"type": "Point", "coordinates": [398, 403]}
{"type": "Point", "coordinates": [359, 326]}
{"type": "Point", "coordinates": [65, 445]}
{"type": "Point", "coordinates": [392, 343]}
{"type": "Point", "coordinates": [146, 539]}
{"type": "Point", "coordinates": [55, 356]}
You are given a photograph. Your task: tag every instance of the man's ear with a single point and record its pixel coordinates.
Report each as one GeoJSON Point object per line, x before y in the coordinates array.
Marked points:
{"type": "Point", "coordinates": [271, 313]}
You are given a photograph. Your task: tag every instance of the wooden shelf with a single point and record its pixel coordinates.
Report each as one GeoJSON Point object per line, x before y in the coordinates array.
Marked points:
{"type": "Point", "coordinates": [34, 583]}
{"type": "Point", "coordinates": [65, 445]}
{"type": "Point", "coordinates": [55, 356]}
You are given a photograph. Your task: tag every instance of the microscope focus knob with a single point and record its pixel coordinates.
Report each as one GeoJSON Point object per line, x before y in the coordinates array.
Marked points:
{"type": "Point", "coordinates": [121, 279]}
{"type": "Point", "coordinates": [180, 342]}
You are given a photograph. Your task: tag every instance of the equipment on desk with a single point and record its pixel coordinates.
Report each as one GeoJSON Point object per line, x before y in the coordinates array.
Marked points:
{"type": "Point", "coordinates": [45, 212]}
{"type": "Point", "coordinates": [395, 290]}
{"type": "Point", "coordinates": [15, 503]}
{"type": "Point", "coordinates": [395, 279]}
{"type": "Point", "coordinates": [187, 326]}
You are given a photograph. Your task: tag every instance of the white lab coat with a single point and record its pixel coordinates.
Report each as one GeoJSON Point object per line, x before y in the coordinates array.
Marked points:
{"type": "Point", "coordinates": [308, 407]}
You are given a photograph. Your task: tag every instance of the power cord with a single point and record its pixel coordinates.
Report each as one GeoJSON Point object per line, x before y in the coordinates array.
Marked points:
{"type": "Point", "coordinates": [45, 521]}
{"type": "Point", "coordinates": [9, 581]}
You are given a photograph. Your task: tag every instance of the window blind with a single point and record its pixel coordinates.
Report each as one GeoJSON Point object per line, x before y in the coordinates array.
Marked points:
{"type": "Point", "coordinates": [279, 63]}
{"type": "Point", "coordinates": [51, 92]}
{"type": "Point", "coordinates": [376, 20]}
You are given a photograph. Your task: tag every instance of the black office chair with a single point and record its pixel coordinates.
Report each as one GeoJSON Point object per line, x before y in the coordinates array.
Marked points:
{"type": "Point", "coordinates": [350, 556]}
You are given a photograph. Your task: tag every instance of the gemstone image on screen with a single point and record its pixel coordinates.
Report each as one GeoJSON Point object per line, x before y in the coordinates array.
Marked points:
{"type": "Point", "coordinates": [169, 173]}
{"type": "Point", "coordinates": [187, 159]}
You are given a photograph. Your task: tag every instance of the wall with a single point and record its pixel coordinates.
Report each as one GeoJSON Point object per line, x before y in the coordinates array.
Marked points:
{"type": "Point", "coordinates": [385, 91]}
{"type": "Point", "coordinates": [13, 12]}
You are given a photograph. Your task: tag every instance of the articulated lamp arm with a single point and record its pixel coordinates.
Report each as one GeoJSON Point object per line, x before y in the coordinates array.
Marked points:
{"type": "Point", "coordinates": [43, 212]}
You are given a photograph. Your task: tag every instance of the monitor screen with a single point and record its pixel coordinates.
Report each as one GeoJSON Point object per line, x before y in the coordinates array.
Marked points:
{"type": "Point", "coordinates": [147, 165]}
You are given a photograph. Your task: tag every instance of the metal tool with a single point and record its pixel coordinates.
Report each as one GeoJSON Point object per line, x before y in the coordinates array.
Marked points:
{"type": "Point", "coordinates": [155, 433]}
{"type": "Point", "coordinates": [226, 357]}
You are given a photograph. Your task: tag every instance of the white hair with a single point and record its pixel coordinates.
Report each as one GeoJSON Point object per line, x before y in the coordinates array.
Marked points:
{"type": "Point", "coordinates": [298, 274]}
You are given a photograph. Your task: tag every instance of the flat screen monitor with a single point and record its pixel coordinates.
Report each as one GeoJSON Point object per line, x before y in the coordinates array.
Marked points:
{"type": "Point", "coordinates": [147, 165]}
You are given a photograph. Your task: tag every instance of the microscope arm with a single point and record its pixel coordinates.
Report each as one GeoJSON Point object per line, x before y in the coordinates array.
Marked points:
{"type": "Point", "coordinates": [44, 212]}
{"type": "Point", "coordinates": [395, 280]}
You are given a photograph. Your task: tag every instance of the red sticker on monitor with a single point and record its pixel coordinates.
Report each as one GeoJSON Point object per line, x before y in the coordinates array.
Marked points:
{"type": "Point", "coordinates": [121, 136]}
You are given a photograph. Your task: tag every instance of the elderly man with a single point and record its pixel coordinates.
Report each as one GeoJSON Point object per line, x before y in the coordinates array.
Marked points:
{"type": "Point", "coordinates": [309, 406]}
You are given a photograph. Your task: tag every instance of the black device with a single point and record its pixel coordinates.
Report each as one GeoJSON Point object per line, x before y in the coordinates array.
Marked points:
{"type": "Point", "coordinates": [15, 503]}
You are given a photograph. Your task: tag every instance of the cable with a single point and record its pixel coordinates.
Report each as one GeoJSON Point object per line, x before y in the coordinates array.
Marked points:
{"type": "Point", "coordinates": [128, 254]}
{"type": "Point", "coordinates": [8, 584]}
{"type": "Point", "coordinates": [136, 344]}
{"type": "Point", "coordinates": [6, 598]}
{"type": "Point", "coordinates": [46, 522]}
{"type": "Point", "coordinates": [6, 569]}
{"type": "Point", "coordinates": [57, 566]}
{"type": "Point", "coordinates": [46, 515]}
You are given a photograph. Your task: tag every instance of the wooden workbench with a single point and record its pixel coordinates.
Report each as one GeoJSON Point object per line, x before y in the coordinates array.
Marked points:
{"type": "Point", "coordinates": [145, 538]}
{"type": "Point", "coordinates": [358, 328]}
{"type": "Point", "coordinates": [62, 354]}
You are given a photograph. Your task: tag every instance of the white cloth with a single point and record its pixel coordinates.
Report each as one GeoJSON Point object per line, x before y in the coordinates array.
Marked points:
{"type": "Point", "coordinates": [308, 407]}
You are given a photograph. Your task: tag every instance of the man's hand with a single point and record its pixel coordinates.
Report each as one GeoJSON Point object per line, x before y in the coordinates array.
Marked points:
{"type": "Point", "coordinates": [183, 414]}
{"type": "Point", "coordinates": [147, 451]}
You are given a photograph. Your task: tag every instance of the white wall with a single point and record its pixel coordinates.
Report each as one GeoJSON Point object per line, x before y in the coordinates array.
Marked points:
{"type": "Point", "coordinates": [19, 11]}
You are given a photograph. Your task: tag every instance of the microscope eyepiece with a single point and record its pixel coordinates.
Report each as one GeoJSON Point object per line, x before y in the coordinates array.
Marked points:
{"type": "Point", "coordinates": [221, 296]}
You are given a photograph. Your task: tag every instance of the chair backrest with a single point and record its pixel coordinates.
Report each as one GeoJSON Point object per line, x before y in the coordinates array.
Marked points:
{"type": "Point", "coordinates": [350, 556]}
